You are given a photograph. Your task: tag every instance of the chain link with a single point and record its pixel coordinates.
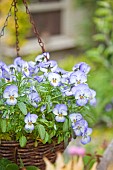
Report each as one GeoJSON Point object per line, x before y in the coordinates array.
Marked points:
{"type": "Point", "coordinates": [34, 27]}
{"type": "Point", "coordinates": [36, 32]}
{"type": "Point", "coordinates": [6, 20]}
{"type": "Point", "coordinates": [16, 27]}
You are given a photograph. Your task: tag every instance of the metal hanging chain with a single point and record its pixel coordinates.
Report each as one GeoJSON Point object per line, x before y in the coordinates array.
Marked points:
{"type": "Point", "coordinates": [16, 27]}
{"type": "Point", "coordinates": [34, 28]}
{"type": "Point", "coordinates": [6, 20]}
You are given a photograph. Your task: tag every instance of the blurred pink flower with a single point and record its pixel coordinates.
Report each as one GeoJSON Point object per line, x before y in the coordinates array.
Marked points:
{"type": "Point", "coordinates": [73, 150]}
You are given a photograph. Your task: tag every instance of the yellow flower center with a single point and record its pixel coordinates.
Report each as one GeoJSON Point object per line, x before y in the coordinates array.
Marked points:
{"type": "Point", "coordinates": [54, 80]}
{"type": "Point", "coordinates": [25, 69]}
{"type": "Point", "coordinates": [29, 123]}
{"type": "Point", "coordinates": [60, 115]}
{"type": "Point", "coordinates": [81, 97]}
{"type": "Point", "coordinates": [78, 81]}
{"type": "Point", "coordinates": [11, 97]}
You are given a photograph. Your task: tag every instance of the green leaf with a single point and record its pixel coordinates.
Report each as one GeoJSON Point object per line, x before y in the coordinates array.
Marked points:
{"type": "Point", "coordinates": [3, 125]}
{"type": "Point", "coordinates": [46, 138]}
{"type": "Point", "coordinates": [4, 162]}
{"type": "Point", "coordinates": [103, 4]}
{"type": "Point", "coordinates": [99, 37]}
{"type": "Point", "coordinates": [66, 125]}
{"type": "Point", "coordinates": [41, 131]}
{"type": "Point", "coordinates": [12, 166]}
{"type": "Point", "coordinates": [22, 107]}
{"type": "Point", "coordinates": [52, 134]}
{"type": "Point", "coordinates": [32, 168]}
{"type": "Point", "coordinates": [2, 167]}
{"type": "Point", "coordinates": [22, 141]}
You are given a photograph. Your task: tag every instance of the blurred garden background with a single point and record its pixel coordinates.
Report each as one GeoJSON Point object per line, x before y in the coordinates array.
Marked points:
{"type": "Point", "coordinates": [73, 31]}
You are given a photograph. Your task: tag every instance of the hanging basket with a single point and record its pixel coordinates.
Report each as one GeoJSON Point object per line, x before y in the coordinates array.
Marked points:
{"type": "Point", "coordinates": [30, 155]}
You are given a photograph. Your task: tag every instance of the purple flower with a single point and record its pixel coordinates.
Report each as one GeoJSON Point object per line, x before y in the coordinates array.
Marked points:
{"type": "Point", "coordinates": [82, 67]}
{"type": "Point", "coordinates": [92, 100]}
{"type": "Point", "coordinates": [6, 73]}
{"type": "Point", "coordinates": [65, 78]}
{"type": "Point", "coordinates": [78, 77]}
{"type": "Point", "coordinates": [43, 107]}
{"type": "Point", "coordinates": [82, 94]}
{"type": "Point", "coordinates": [60, 71]}
{"type": "Point", "coordinates": [54, 79]}
{"type": "Point", "coordinates": [29, 120]}
{"type": "Point", "coordinates": [60, 111]}
{"type": "Point", "coordinates": [108, 107]}
{"type": "Point", "coordinates": [85, 68]}
{"type": "Point", "coordinates": [66, 91]}
{"type": "Point", "coordinates": [80, 127]}
{"type": "Point", "coordinates": [12, 69]}
{"type": "Point", "coordinates": [75, 117]}
{"type": "Point", "coordinates": [32, 68]}
{"type": "Point", "coordinates": [11, 93]}
{"type": "Point", "coordinates": [18, 63]}
{"type": "Point", "coordinates": [34, 98]}
{"type": "Point", "coordinates": [85, 136]}
{"type": "Point", "coordinates": [25, 68]}
{"type": "Point", "coordinates": [2, 65]}
{"type": "Point", "coordinates": [42, 58]}
{"type": "Point", "coordinates": [39, 78]}
{"type": "Point", "coordinates": [49, 66]}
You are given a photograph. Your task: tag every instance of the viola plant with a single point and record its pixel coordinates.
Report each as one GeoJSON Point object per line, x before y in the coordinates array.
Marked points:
{"type": "Point", "coordinates": [40, 101]}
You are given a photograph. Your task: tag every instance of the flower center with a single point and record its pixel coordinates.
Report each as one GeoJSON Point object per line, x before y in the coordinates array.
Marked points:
{"type": "Point", "coordinates": [29, 123]}
{"type": "Point", "coordinates": [54, 80]}
{"type": "Point", "coordinates": [60, 115]}
{"type": "Point", "coordinates": [11, 97]}
{"type": "Point", "coordinates": [25, 69]}
{"type": "Point", "coordinates": [81, 97]}
{"type": "Point", "coordinates": [74, 120]}
{"type": "Point", "coordinates": [78, 81]}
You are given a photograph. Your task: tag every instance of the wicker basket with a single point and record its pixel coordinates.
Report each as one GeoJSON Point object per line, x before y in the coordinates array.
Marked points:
{"type": "Point", "coordinates": [30, 155]}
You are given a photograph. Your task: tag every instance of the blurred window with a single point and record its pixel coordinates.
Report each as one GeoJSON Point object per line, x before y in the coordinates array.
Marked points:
{"type": "Point", "coordinates": [48, 23]}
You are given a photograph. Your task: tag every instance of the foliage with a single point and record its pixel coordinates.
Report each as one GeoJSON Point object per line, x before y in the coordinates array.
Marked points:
{"type": "Point", "coordinates": [40, 101]}
{"type": "Point", "coordinates": [22, 18]}
{"type": "Point", "coordinates": [5, 164]}
{"type": "Point", "coordinates": [102, 56]}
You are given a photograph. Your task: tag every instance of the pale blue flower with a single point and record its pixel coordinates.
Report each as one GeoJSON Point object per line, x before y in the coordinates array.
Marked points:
{"type": "Point", "coordinates": [60, 111]}
{"type": "Point", "coordinates": [60, 71]}
{"type": "Point", "coordinates": [75, 117]}
{"type": "Point", "coordinates": [82, 94]}
{"type": "Point", "coordinates": [92, 99]}
{"type": "Point", "coordinates": [85, 136]}
{"type": "Point", "coordinates": [54, 79]}
{"type": "Point", "coordinates": [6, 73]}
{"type": "Point", "coordinates": [11, 93]}
{"type": "Point", "coordinates": [83, 67]}
{"type": "Point", "coordinates": [32, 68]}
{"type": "Point", "coordinates": [80, 127]}
{"type": "Point", "coordinates": [18, 63]}
{"type": "Point", "coordinates": [39, 78]}
{"type": "Point", "coordinates": [49, 66]}
{"type": "Point", "coordinates": [43, 107]}
{"type": "Point", "coordinates": [12, 69]}
{"type": "Point", "coordinates": [34, 98]}
{"type": "Point", "coordinates": [2, 65]}
{"type": "Point", "coordinates": [29, 120]}
{"type": "Point", "coordinates": [25, 68]}
{"type": "Point", "coordinates": [42, 58]}
{"type": "Point", "coordinates": [78, 77]}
